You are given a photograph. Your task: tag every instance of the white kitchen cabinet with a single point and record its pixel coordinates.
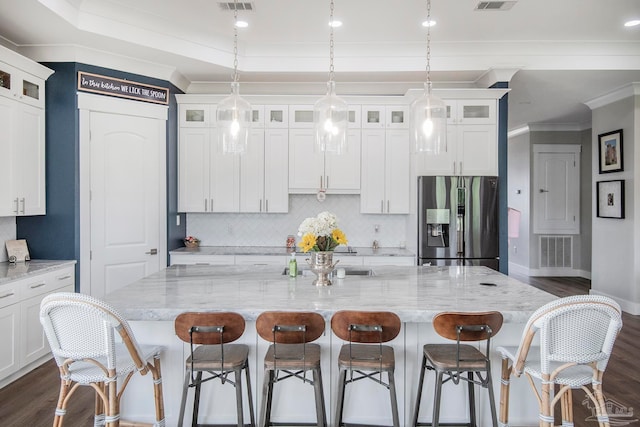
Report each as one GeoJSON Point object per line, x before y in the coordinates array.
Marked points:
{"type": "Point", "coordinates": [385, 117]}
{"type": "Point", "coordinates": [281, 260]}
{"type": "Point", "coordinates": [276, 116]}
{"type": "Point", "coordinates": [196, 259]}
{"type": "Point", "coordinates": [23, 161]}
{"type": "Point", "coordinates": [21, 86]}
{"type": "Point", "coordinates": [264, 185]}
{"type": "Point", "coordinates": [385, 172]}
{"type": "Point", "coordinates": [389, 260]}
{"type": "Point", "coordinates": [311, 170]}
{"type": "Point", "coordinates": [196, 115]}
{"type": "Point", "coordinates": [300, 116]}
{"type": "Point", "coordinates": [208, 180]}
{"type": "Point", "coordinates": [24, 341]}
{"type": "Point", "coordinates": [257, 116]}
{"type": "Point", "coordinates": [472, 142]}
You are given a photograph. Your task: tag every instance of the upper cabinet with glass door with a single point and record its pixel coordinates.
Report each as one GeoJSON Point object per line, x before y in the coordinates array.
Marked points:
{"type": "Point", "coordinates": [385, 117]}
{"type": "Point", "coordinates": [471, 111]}
{"type": "Point", "coordinates": [21, 86]}
{"type": "Point", "coordinates": [197, 115]}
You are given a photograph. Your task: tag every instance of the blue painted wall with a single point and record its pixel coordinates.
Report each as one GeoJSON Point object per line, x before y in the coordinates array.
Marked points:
{"type": "Point", "coordinates": [56, 235]}
{"type": "Point", "coordinates": [503, 107]}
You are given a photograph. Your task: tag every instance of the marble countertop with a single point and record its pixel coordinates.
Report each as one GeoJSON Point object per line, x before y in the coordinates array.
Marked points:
{"type": "Point", "coordinates": [416, 294]}
{"type": "Point", "coordinates": [281, 250]}
{"type": "Point", "coordinates": [19, 270]}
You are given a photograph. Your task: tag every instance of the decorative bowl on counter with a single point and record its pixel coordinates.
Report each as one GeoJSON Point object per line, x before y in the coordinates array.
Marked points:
{"type": "Point", "coordinates": [191, 242]}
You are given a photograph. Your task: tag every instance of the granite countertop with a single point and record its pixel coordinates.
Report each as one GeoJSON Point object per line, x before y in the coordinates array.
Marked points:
{"type": "Point", "coordinates": [416, 294]}
{"type": "Point", "coordinates": [19, 270]}
{"type": "Point", "coordinates": [281, 250]}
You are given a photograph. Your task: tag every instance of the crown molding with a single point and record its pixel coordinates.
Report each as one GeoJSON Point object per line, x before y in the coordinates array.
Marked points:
{"type": "Point", "coordinates": [623, 92]}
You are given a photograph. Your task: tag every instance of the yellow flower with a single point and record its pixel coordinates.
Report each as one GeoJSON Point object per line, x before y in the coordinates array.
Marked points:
{"type": "Point", "coordinates": [339, 237]}
{"type": "Point", "coordinates": [308, 242]}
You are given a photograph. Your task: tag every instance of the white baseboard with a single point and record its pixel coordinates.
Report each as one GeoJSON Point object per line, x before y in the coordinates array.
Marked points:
{"type": "Point", "coordinates": [548, 272]}
{"type": "Point", "coordinates": [627, 306]}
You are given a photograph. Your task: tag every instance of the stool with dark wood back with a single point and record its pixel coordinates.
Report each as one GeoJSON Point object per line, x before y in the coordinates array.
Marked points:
{"type": "Point", "coordinates": [209, 335]}
{"type": "Point", "coordinates": [291, 355]}
{"type": "Point", "coordinates": [365, 355]}
{"type": "Point", "coordinates": [451, 361]}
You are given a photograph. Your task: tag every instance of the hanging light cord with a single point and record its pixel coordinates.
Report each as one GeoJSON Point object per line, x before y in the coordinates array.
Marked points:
{"type": "Point", "coordinates": [429, 46]}
{"type": "Point", "coordinates": [331, 73]}
{"type": "Point", "coordinates": [235, 41]}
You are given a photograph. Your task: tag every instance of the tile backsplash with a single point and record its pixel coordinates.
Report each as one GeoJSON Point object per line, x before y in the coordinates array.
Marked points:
{"type": "Point", "coordinates": [244, 229]}
{"type": "Point", "coordinates": [7, 232]}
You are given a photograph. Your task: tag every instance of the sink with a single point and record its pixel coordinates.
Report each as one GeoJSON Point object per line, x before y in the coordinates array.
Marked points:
{"type": "Point", "coordinates": [348, 271]}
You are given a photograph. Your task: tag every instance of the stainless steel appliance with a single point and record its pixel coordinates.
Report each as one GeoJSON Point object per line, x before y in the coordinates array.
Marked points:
{"type": "Point", "coordinates": [458, 220]}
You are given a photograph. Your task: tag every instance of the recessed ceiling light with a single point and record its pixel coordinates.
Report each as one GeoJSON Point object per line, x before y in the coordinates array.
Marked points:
{"type": "Point", "coordinates": [429, 23]}
{"type": "Point", "coordinates": [632, 23]}
{"type": "Point", "coordinates": [242, 24]}
{"type": "Point", "coordinates": [335, 23]}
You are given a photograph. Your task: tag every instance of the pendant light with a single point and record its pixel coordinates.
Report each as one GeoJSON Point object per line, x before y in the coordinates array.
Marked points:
{"type": "Point", "coordinates": [234, 113]}
{"type": "Point", "coordinates": [330, 113]}
{"type": "Point", "coordinates": [428, 112]}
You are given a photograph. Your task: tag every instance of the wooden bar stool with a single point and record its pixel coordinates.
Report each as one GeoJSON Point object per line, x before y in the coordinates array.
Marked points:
{"type": "Point", "coordinates": [454, 360]}
{"type": "Point", "coordinates": [365, 355]}
{"type": "Point", "coordinates": [290, 356]}
{"type": "Point", "coordinates": [209, 335]}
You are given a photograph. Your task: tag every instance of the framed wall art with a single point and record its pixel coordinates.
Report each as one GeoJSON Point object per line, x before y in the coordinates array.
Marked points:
{"type": "Point", "coordinates": [610, 151]}
{"type": "Point", "coordinates": [610, 199]}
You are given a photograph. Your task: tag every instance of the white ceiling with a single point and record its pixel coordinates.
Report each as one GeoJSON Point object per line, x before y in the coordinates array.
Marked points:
{"type": "Point", "coordinates": [562, 52]}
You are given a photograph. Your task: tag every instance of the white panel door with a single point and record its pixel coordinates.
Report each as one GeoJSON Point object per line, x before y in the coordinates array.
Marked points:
{"type": "Point", "coordinates": [556, 192]}
{"type": "Point", "coordinates": [397, 172]}
{"type": "Point", "coordinates": [276, 170]}
{"type": "Point", "coordinates": [372, 190]}
{"type": "Point", "coordinates": [31, 160]}
{"type": "Point", "coordinates": [193, 169]}
{"type": "Point", "coordinates": [125, 211]}
{"type": "Point", "coordinates": [8, 205]}
{"type": "Point", "coordinates": [342, 171]}
{"type": "Point", "coordinates": [477, 150]}
{"type": "Point", "coordinates": [306, 162]}
{"type": "Point", "coordinates": [252, 174]}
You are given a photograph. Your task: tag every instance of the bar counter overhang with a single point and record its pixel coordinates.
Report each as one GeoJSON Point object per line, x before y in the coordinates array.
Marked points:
{"type": "Point", "coordinates": [415, 294]}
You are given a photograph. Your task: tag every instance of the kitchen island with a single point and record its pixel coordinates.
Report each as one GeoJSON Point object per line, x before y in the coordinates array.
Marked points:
{"type": "Point", "coordinates": [416, 294]}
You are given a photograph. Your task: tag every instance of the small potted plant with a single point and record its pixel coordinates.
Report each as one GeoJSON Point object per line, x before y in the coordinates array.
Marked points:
{"type": "Point", "coordinates": [191, 242]}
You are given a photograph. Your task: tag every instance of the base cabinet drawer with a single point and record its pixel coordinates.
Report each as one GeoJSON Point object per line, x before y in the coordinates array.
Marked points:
{"type": "Point", "coordinates": [23, 339]}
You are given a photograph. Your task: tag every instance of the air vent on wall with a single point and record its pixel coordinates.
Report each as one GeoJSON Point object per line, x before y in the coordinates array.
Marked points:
{"type": "Point", "coordinates": [495, 5]}
{"type": "Point", "coordinates": [241, 5]}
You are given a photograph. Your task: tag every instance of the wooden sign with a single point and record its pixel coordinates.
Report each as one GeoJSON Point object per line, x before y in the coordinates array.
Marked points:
{"type": "Point", "coordinates": [104, 85]}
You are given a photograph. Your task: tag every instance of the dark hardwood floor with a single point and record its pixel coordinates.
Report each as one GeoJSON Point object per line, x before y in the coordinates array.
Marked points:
{"type": "Point", "coordinates": [31, 400]}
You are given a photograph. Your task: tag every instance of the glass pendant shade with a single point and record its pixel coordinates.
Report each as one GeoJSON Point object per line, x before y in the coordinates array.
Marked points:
{"type": "Point", "coordinates": [429, 123]}
{"type": "Point", "coordinates": [330, 118]}
{"type": "Point", "coordinates": [233, 122]}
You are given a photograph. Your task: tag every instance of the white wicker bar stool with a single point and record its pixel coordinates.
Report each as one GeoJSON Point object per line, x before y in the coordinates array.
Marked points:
{"type": "Point", "coordinates": [83, 334]}
{"type": "Point", "coordinates": [576, 339]}
{"type": "Point", "coordinates": [451, 361]}
{"type": "Point", "coordinates": [209, 335]}
{"type": "Point", "coordinates": [291, 355]}
{"type": "Point", "coordinates": [364, 353]}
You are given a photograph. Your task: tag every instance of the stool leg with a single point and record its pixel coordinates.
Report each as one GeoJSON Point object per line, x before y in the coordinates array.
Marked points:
{"type": "Point", "coordinates": [414, 423]}
{"type": "Point", "coordinates": [237, 375]}
{"type": "Point", "coordinates": [436, 399]}
{"type": "Point", "coordinates": [185, 391]}
{"type": "Point", "coordinates": [321, 414]}
{"type": "Point", "coordinates": [472, 400]}
{"type": "Point", "coordinates": [196, 399]}
{"type": "Point", "coordinates": [492, 400]}
{"type": "Point", "coordinates": [249, 396]}
{"type": "Point", "coordinates": [566, 403]}
{"type": "Point", "coordinates": [98, 419]}
{"type": "Point", "coordinates": [394, 399]}
{"type": "Point", "coordinates": [158, 397]}
{"type": "Point", "coordinates": [504, 392]}
{"type": "Point", "coordinates": [267, 393]}
{"type": "Point", "coordinates": [340, 399]}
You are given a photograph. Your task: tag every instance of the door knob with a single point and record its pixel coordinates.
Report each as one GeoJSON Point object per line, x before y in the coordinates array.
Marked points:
{"type": "Point", "coordinates": [152, 252]}
{"type": "Point", "coordinates": [544, 191]}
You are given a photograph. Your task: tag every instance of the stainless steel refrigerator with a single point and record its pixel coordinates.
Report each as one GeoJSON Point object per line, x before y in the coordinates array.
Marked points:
{"type": "Point", "coordinates": [458, 220]}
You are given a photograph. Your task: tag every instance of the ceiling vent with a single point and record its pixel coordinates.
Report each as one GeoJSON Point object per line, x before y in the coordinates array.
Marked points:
{"type": "Point", "coordinates": [241, 5]}
{"type": "Point", "coordinates": [495, 5]}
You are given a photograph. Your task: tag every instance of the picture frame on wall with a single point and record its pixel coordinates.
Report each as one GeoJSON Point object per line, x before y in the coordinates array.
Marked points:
{"type": "Point", "coordinates": [610, 199]}
{"type": "Point", "coordinates": [610, 151]}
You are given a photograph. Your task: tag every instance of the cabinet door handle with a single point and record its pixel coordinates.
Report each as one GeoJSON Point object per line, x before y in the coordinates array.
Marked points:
{"type": "Point", "coordinates": [266, 209]}
{"type": "Point", "coordinates": [260, 206]}
{"type": "Point", "coordinates": [7, 295]}
{"type": "Point", "coordinates": [381, 206]}
{"type": "Point", "coordinates": [23, 203]}
{"type": "Point", "coordinates": [321, 182]}
{"type": "Point", "coordinates": [39, 285]}
{"type": "Point", "coordinates": [205, 205]}
{"type": "Point", "coordinates": [68, 276]}
{"type": "Point", "coordinates": [16, 211]}
{"type": "Point", "coordinates": [461, 167]}
{"type": "Point", "coordinates": [327, 179]}
{"type": "Point", "coordinates": [454, 168]}
{"type": "Point", "coordinates": [211, 205]}
{"type": "Point", "coordinates": [388, 207]}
